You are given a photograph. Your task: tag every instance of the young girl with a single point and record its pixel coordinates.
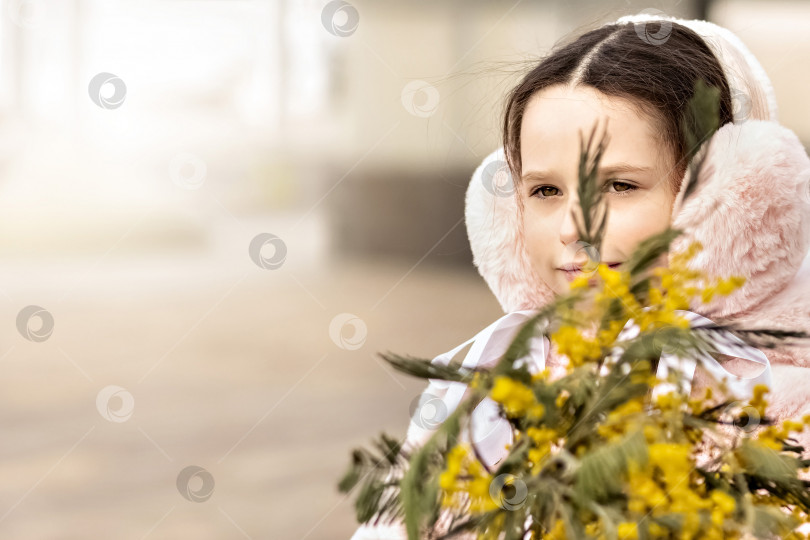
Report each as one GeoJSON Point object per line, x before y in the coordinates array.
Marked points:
{"type": "Point", "coordinates": [751, 211]}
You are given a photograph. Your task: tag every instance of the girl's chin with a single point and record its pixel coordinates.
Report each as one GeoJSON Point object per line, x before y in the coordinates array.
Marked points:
{"type": "Point", "coordinates": [561, 287]}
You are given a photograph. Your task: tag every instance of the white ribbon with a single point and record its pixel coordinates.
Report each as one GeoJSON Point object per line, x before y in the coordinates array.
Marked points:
{"type": "Point", "coordinates": [488, 346]}
{"type": "Point", "coordinates": [740, 387]}
{"type": "Point", "coordinates": [490, 431]}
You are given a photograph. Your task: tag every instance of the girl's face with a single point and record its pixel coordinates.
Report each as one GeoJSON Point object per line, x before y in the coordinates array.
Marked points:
{"type": "Point", "coordinates": [636, 171]}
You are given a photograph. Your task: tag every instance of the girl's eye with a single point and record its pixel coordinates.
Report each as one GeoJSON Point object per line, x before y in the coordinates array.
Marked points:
{"type": "Point", "coordinates": [620, 187]}
{"type": "Point", "coordinates": [542, 191]}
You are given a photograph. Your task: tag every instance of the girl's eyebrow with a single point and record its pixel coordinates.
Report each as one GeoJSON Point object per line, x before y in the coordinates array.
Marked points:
{"type": "Point", "coordinates": [535, 176]}
{"type": "Point", "coordinates": [610, 169]}
{"type": "Point", "coordinates": [623, 168]}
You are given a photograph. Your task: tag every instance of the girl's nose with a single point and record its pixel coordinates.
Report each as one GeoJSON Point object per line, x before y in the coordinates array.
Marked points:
{"type": "Point", "coordinates": [568, 227]}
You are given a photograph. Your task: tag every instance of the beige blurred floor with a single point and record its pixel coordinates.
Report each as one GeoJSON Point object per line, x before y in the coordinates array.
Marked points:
{"type": "Point", "coordinates": [230, 369]}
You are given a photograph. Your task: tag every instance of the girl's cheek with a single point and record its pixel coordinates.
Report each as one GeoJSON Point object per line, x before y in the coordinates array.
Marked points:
{"type": "Point", "coordinates": [540, 232]}
{"type": "Point", "coordinates": [622, 231]}
{"type": "Point", "coordinates": [537, 236]}
{"type": "Point", "coordinates": [629, 226]}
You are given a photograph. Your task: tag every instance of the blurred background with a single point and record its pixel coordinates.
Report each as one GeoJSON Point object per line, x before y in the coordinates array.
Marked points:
{"type": "Point", "coordinates": [214, 215]}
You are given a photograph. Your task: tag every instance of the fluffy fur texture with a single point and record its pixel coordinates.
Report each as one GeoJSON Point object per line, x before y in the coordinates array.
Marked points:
{"type": "Point", "coordinates": [750, 211]}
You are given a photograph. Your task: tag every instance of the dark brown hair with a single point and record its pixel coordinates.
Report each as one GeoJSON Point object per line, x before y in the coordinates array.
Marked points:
{"type": "Point", "coordinates": [621, 60]}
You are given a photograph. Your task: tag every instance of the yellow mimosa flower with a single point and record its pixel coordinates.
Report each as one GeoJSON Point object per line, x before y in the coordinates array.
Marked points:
{"type": "Point", "coordinates": [515, 396]}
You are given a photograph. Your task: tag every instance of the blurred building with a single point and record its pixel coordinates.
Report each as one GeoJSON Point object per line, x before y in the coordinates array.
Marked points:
{"type": "Point", "coordinates": [365, 138]}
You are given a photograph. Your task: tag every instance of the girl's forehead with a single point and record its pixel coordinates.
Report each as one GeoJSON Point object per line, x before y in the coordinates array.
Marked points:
{"type": "Point", "coordinates": [581, 93]}
{"type": "Point", "coordinates": [558, 106]}
{"type": "Point", "coordinates": [557, 117]}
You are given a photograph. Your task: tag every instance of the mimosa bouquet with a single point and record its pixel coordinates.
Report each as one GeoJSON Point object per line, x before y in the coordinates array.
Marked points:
{"type": "Point", "coordinates": [611, 449]}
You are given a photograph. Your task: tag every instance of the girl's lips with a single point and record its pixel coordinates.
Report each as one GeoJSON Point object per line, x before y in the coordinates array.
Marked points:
{"type": "Point", "coordinates": [571, 275]}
